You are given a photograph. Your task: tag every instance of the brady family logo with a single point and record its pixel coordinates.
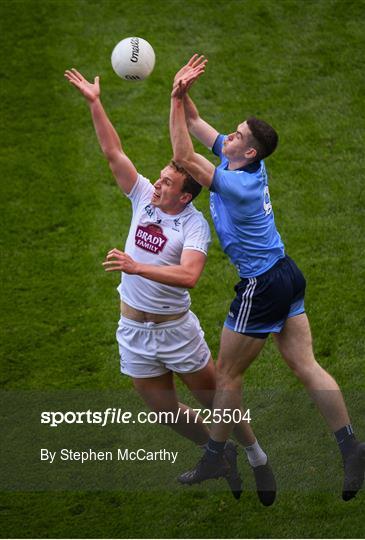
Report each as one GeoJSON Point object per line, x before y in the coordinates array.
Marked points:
{"type": "Point", "coordinates": [150, 238]}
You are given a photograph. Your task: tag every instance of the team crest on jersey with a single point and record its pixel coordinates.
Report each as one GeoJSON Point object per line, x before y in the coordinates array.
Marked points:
{"type": "Point", "coordinates": [267, 202]}
{"type": "Point", "coordinates": [149, 209]}
{"type": "Point", "coordinates": [212, 206]}
{"type": "Point", "coordinates": [177, 225]}
{"type": "Point", "coordinates": [150, 238]}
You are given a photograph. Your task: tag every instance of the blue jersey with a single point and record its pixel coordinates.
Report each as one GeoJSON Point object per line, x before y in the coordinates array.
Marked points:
{"type": "Point", "coordinates": [243, 217]}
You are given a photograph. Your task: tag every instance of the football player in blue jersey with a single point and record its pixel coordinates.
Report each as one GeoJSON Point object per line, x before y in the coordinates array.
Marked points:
{"type": "Point", "coordinates": [270, 294]}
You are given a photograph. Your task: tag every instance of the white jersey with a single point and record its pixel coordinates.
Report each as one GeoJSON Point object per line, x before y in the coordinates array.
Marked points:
{"type": "Point", "coordinates": [158, 238]}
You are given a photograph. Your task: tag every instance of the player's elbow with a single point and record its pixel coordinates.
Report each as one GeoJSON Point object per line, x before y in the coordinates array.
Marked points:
{"type": "Point", "coordinates": [191, 281]}
{"type": "Point", "coordinates": [182, 158]}
{"type": "Point", "coordinates": [111, 154]}
{"type": "Point", "coordinates": [179, 155]}
{"type": "Point", "coordinates": [182, 153]}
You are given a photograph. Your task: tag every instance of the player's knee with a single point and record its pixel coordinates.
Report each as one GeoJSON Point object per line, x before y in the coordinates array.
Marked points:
{"type": "Point", "coordinates": [222, 372]}
{"type": "Point", "coordinates": [306, 370]}
{"type": "Point", "coordinates": [227, 378]}
{"type": "Point", "coordinates": [224, 367]}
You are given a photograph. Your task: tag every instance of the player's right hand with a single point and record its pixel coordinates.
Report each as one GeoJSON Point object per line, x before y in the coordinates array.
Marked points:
{"type": "Point", "coordinates": [191, 71]}
{"type": "Point", "coordinates": [91, 91]}
{"type": "Point", "coordinates": [188, 75]}
{"type": "Point", "coordinates": [118, 261]}
{"type": "Point", "coordinates": [195, 61]}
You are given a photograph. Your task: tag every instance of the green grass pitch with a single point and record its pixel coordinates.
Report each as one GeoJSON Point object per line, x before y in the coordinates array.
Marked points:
{"type": "Point", "coordinates": [298, 64]}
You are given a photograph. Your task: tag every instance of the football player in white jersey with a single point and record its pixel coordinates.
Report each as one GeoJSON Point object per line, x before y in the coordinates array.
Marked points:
{"type": "Point", "coordinates": [165, 255]}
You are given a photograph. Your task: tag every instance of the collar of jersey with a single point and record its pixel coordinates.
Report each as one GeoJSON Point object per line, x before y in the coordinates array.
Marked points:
{"type": "Point", "coordinates": [250, 168]}
{"type": "Point", "coordinates": [188, 207]}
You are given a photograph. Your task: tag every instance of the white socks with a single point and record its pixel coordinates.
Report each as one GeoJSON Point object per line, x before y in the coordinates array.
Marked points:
{"type": "Point", "coordinates": [255, 455]}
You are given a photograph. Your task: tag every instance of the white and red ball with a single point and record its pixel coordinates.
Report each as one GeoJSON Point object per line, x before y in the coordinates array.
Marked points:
{"type": "Point", "coordinates": [133, 59]}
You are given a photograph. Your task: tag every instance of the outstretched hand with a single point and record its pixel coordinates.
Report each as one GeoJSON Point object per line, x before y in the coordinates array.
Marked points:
{"type": "Point", "coordinates": [91, 91]}
{"type": "Point", "coordinates": [188, 74]}
{"type": "Point", "coordinates": [194, 62]}
{"type": "Point", "coordinates": [118, 261]}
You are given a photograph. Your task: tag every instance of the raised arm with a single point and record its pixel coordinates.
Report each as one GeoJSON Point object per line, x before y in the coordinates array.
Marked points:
{"type": "Point", "coordinates": [123, 169]}
{"type": "Point", "coordinates": [198, 127]}
{"type": "Point", "coordinates": [197, 165]}
{"type": "Point", "coordinates": [186, 274]}
{"type": "Point", "coordinates": [204, 132]}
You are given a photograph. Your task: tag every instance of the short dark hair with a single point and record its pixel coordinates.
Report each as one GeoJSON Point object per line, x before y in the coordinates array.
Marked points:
{"type": "Point", "coordinates": [190, 185]}
{"type": "Point", "coordinates": [264, 137]}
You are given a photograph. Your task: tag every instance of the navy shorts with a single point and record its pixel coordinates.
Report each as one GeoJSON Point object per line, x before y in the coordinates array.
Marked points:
{"type": "Point", "coordinates": [263, 303]}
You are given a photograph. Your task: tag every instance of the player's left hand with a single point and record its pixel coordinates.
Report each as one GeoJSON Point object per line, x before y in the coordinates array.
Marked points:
{"type": "Point", "coordinates": [118, 261]}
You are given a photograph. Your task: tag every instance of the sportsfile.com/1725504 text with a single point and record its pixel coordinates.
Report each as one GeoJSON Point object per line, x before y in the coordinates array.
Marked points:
{"type": "Point", "coordinates": [113, 415]}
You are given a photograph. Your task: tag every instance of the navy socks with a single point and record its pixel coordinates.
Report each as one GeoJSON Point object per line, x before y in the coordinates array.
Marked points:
{"type": "Point", "coordinates": [214, 449]}
{"type": "Point", "coordinates": [345, 439]}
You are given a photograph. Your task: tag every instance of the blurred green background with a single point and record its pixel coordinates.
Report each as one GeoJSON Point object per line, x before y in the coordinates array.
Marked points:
{"type": "Point", "coordinates": [299, 65]}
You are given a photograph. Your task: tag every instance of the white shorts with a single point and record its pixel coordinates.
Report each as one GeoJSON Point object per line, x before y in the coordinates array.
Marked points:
{"type": "Point", "coordinates": [150, 349]}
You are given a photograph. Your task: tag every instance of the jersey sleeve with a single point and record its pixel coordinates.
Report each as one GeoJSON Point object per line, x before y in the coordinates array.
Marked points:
{"type": "Point", "coordinates": [197, 234]}
{"type": "Point", "coordinates": [229, 184]}
{"type": "Point", "coordinates": [218, 145]}
{"type": "Point", "coordinates": [240, 183]}
{"type": "Point", "coordinates": [141, 192]}
{"type": "Point", "coordinates": [226, 184]}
